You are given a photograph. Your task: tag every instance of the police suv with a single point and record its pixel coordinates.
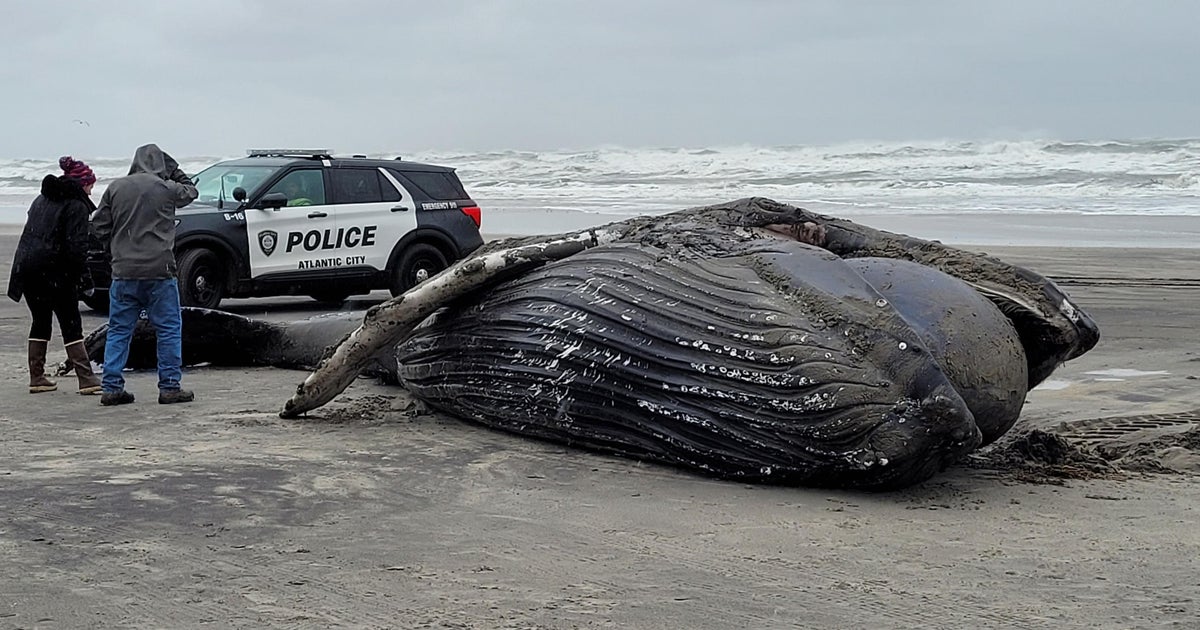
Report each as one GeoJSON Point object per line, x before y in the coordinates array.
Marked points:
{"type": "Point", "coordinates": [303, 222]}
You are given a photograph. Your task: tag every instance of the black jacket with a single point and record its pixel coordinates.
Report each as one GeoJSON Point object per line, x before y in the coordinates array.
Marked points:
{"type": "Point", "coordinates": [54, 243]}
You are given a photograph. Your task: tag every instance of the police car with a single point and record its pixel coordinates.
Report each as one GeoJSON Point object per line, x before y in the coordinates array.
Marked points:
{"type": "Point", "coordinates": [303, 222]}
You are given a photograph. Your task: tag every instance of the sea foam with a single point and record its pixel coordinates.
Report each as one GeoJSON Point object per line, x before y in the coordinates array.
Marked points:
{"type": "Point", "coordinates": [1148, 177]}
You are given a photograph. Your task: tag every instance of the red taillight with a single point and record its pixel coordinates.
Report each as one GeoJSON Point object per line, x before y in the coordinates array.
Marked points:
{"type": "Point", "coordinates": [474, 213]}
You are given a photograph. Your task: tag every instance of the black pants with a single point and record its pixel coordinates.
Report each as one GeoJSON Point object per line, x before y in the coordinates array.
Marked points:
{"type": "Point", "coordinates": [59, 300]}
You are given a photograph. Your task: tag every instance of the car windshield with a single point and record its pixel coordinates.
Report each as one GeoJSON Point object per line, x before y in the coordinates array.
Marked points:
{"type": "Point", "coordinates": [218, 181]}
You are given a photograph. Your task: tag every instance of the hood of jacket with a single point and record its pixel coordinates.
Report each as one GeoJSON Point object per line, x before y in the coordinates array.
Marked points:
{"type": "Point", "coordinates": [150, 159]}
{"type": "Point", "coordinates": [59, 188]}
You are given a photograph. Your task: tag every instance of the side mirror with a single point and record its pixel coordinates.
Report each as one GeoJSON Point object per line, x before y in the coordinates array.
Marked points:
{"type": "Point", "coordinates": [239, 194]}
{"type": "Point", "coordinates": [273, 201]}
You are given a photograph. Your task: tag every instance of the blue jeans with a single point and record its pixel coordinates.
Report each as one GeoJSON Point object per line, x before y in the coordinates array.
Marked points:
{"type": "Point", "coordinates": [160, 300]}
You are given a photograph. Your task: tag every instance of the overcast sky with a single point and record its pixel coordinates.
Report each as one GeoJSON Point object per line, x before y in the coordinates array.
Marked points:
{"type": "Point", "coordinates": [214, 77]}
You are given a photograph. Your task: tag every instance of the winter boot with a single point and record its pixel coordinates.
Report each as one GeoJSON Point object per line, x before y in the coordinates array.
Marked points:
{"type": "Point", "coordinates": [172, 396]}
{"type": "Point", "coordinates": [77, 358]}
{"type": "Point", "coordinates": [38, 382]}
{"type": "Point", "coordinates": [122, 397]}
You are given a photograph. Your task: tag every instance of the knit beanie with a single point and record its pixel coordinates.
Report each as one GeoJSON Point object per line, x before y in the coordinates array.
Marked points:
{"type": "Point", "coordinates": [77, 170]}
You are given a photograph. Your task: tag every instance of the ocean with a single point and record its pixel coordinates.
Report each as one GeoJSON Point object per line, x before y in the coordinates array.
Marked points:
{"type": "Point", "coordinates": [1027, 177]}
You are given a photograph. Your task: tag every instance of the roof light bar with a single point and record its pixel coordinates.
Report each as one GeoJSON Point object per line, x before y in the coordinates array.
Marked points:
{"type": "Point", "coordinates": [304, 152]}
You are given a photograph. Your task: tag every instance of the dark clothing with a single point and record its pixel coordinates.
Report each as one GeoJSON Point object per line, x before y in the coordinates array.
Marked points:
{"type": "Point", "coordinates": [136, 218]}
{"type": "Point", "coordinates": [52, 254]}
{"type": "Point", "coordinates": [59, 301]}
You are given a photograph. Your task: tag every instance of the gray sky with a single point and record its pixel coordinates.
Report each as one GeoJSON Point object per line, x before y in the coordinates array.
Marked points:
{"type": "Point", "coordinates": [214, 77]}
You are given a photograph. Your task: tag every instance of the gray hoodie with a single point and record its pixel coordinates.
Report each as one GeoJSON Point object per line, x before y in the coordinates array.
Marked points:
{"type": "Point", "coordinates": [135, 220]}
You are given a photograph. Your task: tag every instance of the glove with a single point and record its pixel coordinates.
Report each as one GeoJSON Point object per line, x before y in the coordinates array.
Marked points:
{"type": "Point", "coordinates": [87, 287]}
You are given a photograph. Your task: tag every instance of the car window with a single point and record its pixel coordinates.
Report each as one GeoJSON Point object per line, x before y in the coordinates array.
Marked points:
{"type": "Point", "coordinates": [388, 188]}
{"type": "Point", "coordinates": [355, 185]}
{"type": "Point", "coordinates": [218, 181]}
{"type": "Point", "coordinates": [438, 184]}
{"type": "Point", "coordinates": [304, 187]}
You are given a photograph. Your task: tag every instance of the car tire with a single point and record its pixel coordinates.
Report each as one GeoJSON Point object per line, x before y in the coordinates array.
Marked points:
{"type": "Point", "coordinates": [417, 264]}
{"type": "Point", "coordinates": [97, 301]}
{"type": "Point", "coordinates": [201, 278]}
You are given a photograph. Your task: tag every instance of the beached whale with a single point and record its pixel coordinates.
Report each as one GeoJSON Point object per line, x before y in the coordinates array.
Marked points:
{"type": "Point", "coordinates": [752, 340]}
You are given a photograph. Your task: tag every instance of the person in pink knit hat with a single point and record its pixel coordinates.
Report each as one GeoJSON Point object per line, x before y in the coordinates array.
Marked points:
{"type": "Point", "coordinates": [49, 270]}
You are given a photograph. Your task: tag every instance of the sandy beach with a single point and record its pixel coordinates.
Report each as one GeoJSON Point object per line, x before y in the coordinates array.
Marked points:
{"type": "Point", "coordinates": [375, 513]}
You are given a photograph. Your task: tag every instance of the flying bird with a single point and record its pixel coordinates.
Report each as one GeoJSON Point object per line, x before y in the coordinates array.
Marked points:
{"type": "Point", "coordinates": [81, 122]}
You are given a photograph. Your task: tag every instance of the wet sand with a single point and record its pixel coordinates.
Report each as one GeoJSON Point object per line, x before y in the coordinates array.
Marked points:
{"type": "Point", "coordinates": [375, 513]}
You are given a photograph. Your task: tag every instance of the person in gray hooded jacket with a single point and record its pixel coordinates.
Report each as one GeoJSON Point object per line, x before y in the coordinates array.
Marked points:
{"type": "Point", "coordinates": [135, 222]}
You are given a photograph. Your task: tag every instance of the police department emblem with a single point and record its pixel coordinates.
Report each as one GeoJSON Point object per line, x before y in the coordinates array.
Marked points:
{"type": "Point", "coordinates": [267, 240]}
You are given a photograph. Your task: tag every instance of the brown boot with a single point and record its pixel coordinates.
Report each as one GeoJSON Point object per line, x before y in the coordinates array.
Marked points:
{"type": "Point", "coordinates": [38, 382]}
{"type": "Point", "coordinates": [77, 358]}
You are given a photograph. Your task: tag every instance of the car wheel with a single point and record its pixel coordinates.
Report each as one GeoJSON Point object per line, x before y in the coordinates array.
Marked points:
{"type": "Point", "coordinates": [417, 264]}
{"type": "Point", "coordinates": [201, 278]}
{"type": "Point", "coordinates": [97, 301]}
{"type": "Point", "coordinates": [330, 297]}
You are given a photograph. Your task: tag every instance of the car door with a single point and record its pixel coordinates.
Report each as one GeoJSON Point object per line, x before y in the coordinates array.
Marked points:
{"type": "Point", "coordinates": [297, 236]}
{"type": "Point", "coordinates": [373, 212]}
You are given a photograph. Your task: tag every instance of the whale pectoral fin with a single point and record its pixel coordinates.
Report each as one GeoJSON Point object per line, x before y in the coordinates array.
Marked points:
{"type": "Point", "coordinates": [227, 339]}
{"type": "Point", "coordinates": [209, 336]}
{"type": "Point", "coordinates": [94, 342]}
{"type": "Point", "coordinates": [387, 324]}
